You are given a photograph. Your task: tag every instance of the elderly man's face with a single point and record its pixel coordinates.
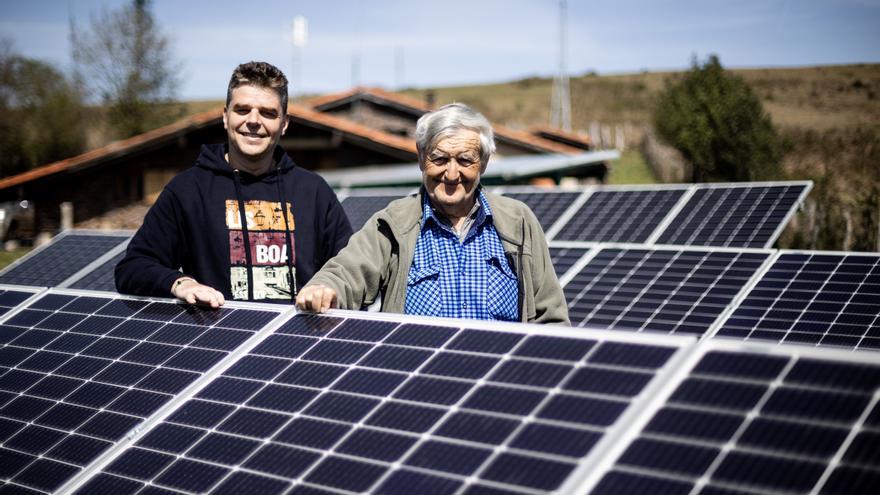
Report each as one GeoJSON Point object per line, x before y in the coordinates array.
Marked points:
{"type": "Point", "coordinates": [451, 172]}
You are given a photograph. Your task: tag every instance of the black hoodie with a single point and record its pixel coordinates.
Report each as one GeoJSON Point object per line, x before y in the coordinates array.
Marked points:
{"type": "Point", "coordinates": [195, 226]}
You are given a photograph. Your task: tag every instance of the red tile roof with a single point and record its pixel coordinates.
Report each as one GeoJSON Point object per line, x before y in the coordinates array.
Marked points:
{"type": "Point", "coordinates": [577, 137]}
{"type": "Point", "coordinates": [116, 148]}
{"type": "Point", "coordinates": [353, 128]}
{"type": "Point", "coordinates": [520, 137]}
{"type": "Point", "coordinates": [181, 127]}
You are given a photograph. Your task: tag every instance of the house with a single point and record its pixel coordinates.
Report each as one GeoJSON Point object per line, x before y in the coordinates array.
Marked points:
{"type": "Point", "coordinates": [397, 114]}
{"type": "Point", "coordinates": [112, 186]}
{"type": "Point", "coordinates": [133, 171]}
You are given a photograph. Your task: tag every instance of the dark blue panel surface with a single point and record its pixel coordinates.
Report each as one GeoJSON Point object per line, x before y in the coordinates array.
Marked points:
{"type": "Point", "coordinates": [619, 216]}
{"type": "Point", "coordinates": [102, 277]}
{"type": "Point", "coordinates": [658, 290]}
{"type": "Point", "coordinates": [762, 423]}
{"type": "Point", "coordinates": [732, 216]}
{"type": "Point", "coordinates": [89, 369]}
{"type": "Point", "coordinates": [546, 206]}
{"type": "Point", "coordinates": [359, 209]}
{"type": "Point", "coordinates": [60, 259]}
{"type": "Point", "coordinates": [829, 300]}
{"type": "Point", "coordinates": [370, 406]}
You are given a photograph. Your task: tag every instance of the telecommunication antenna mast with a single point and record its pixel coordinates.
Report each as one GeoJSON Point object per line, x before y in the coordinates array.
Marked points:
{"type": "Point", "coordinates": [560, 105]}
{"type": "Point", "coordinates": [300, 35]}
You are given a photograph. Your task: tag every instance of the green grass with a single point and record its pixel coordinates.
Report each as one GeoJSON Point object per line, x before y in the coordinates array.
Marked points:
{"type": "Point", "coordinates": [7, 257]}
{"type": "Point", "coordinates": [631, 169]}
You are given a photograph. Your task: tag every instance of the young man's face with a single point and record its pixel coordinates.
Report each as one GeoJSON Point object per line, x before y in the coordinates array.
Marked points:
{"type": "Point", "coordinates": [254, 122]}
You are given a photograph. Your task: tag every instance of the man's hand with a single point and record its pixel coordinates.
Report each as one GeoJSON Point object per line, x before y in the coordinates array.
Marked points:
{"type": "Point", "coordinates": [316, 298]}
{"type": "Point", "coordinates": [189, 291]}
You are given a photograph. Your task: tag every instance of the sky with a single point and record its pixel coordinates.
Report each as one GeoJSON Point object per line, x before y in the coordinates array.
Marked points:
{"type": "Point", "coordinates": [417, 43]}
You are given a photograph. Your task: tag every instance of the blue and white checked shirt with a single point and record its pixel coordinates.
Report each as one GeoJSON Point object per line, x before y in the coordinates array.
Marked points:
{"type": "Point", "coordinates": [456, 278]}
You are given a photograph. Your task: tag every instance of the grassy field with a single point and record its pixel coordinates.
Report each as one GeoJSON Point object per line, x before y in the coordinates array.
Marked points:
{"type": "Point", "coordinates": [814, 98]}
{"type": "Point", "coordinates": [7, 257]}
{"type": "Point", "coordinates": [817, 98]}
{"type": "Point", "coordinates": [631, 169]}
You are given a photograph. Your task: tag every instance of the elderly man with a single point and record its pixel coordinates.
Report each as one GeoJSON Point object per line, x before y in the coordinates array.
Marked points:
{"type": "Point", "coordinates": [453, 250]}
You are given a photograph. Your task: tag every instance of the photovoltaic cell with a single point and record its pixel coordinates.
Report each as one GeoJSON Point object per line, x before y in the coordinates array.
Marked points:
{"type": "Point", "coordinates": [423, 408]}
{"type": "Point", "coordinates": [563, 258]}
{"type": "Point", "coordinates": [733, 216]}
{"type": "Point", "coordinates": [802, 433]}
{"type": "Point", "coordinates": [821, 299]}
{"type": "Point", "coordinates": [102, 278]}
{"type": "Point", "coordinates": [547, 206]}
{"type": "Point", "coordinates": [619, 216]}
{"type": "Point", "coordinates": [59, 260]}
{"type": "Point", "coordinates": [671, 291]}
{"type": "Point", "coordinates": [360, 208]}
{"type": "Point", "coordinates": [10, 298]}
{"type": "Point", "coordinates": [78, 372]}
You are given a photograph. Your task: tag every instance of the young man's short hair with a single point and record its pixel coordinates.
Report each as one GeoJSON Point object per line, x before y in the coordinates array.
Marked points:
{"type": "Point", "coordinates": [261, 75]}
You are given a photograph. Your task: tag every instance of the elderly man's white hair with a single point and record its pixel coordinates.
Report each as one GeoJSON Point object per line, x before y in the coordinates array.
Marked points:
{"type": "Point", "coordinates": [446, 121]}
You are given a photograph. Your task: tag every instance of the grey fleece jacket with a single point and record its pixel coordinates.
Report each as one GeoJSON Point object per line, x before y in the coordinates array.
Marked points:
{"type": "Point", "coordinates": [378, 257]}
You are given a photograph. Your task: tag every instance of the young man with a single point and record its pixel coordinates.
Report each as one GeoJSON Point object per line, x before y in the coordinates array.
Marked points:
{"type": "Point", "coordinates": [243, 223]}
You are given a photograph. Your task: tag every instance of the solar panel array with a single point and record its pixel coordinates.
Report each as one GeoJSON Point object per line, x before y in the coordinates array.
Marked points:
{"type": "Point", "coordinates": [665, 290]}
{"type": "Point", "coordinates": [384, 407]}
{"type": "Point", "coordinates": [620, 216]}
{"type": "Point", "coordinates": [360, 208]}
{"type": "Point", "coordinates": [546, 206]}
{"type": "Point", "coordinates": [56, 262]}
{"type": "Point", "coordinates": [101, 277]}
{"type": "Point", "coordinates": [729, 215]}
{"type": "Point", "coordinates": [757, 422]}
{"type": "Point", "coordinates": [94, 398]}
{"type": "Point", "coordinates": [102, 393]}
{"type": "Point", "coordinates": [733, 216]}
{"type": "Point", "coordinates": [11, 297]}
{"type": "Point", "coordinates": [813, 298]}
{"type": "Point", "coordinates": [77, 373]}
{"type": "Point", "coordinates": [564, 258]}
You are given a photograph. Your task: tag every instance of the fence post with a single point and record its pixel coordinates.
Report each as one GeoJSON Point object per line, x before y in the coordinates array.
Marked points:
{"type": "Point", "coordinates": [66, 215]}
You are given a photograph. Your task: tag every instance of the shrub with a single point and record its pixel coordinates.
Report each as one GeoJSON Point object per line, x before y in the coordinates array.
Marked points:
{"type": "Point", "coordinates": [718, 123]}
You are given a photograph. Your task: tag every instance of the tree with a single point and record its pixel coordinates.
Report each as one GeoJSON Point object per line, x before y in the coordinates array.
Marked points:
{"type": "Point", "coordinates": [127, 61]}
{"type": "Point", "coordinates": [715, 120]}
{"type": "Point", "coordinates": [42, 114]}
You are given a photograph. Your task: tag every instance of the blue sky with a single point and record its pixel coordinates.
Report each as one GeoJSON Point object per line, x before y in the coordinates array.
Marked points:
{"type": "Point", "coordinates": [468, 41]}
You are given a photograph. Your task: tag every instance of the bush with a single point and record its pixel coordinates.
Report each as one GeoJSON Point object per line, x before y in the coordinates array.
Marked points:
{"type": "Point", "coordinates": [718, 123]}
{"type": "Point", "coordinates": [42, 114]}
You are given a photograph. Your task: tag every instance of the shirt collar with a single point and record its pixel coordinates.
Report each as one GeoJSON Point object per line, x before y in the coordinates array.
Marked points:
{"type": "Point", "coordinates": [481, 209]}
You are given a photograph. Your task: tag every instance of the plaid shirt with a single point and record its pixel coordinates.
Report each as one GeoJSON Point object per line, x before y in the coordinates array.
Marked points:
{"type": "Point", "coordinates": [456, 278]}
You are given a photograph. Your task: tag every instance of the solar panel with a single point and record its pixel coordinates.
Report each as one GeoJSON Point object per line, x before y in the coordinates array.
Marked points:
{"type": "Point", "coordinates": [563, 258]}
{"type": "Point", "coordinates": [750, 420]}
{"type": "Point", "coordinates": [391, 405]}
{"type": "Point", "coordinates": [79, 371]}
{"type": "Point", "coordinates": [664, 290]}
{"type": "Point", "coordinates": [745, 216]}
{"type": "Point", "coordinates": [546, 205]}
{"type": "Point", "coordinates": [814, 298]}
{"type": "Point", "coordinates": [619, 215]}
{"type": "Point", "coordinates": [12, 296]}
{"type": "Point", "coordinates": [67, 254]}
{"type": "Point", "coordinates": [102, 277]}
{"type": "Point", "coordinates": [359, 209]}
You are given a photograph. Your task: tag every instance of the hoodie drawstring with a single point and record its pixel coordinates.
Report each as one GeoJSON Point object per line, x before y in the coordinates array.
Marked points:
{"type": "Point", "coordinates": [247, 240]}
{"type": "Point", "coordinates": [289, 245]}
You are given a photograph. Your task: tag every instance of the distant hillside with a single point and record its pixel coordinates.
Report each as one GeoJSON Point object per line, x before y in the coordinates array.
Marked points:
{"type": "Point", "coordinates": [815, 98]}
{"type": "Point", "coordinates": [828, 116]}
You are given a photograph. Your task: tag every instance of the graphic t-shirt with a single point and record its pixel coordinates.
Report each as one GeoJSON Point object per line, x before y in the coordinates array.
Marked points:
{"type": "Point", "coordinates": [266, 233]}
